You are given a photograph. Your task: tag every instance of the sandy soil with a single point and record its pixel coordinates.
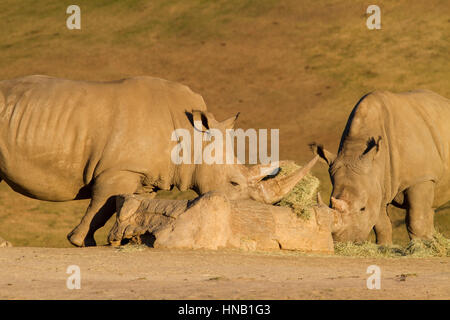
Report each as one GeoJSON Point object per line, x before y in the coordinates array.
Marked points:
{"type": "Point", "coordinates": [111, 273]}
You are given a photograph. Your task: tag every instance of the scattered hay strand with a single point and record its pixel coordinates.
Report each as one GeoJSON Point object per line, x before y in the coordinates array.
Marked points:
{"type": "Point", "coordinates": [131, 247]}
{"type": "Point", "coordinates": [303, 196]}
{"type": "Point", "coordinates": [439, 246]}
{"type": "Point", "coordinates": [366, 249]}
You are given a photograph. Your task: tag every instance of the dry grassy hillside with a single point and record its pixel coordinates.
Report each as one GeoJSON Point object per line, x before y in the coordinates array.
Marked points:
{"type": "Point", "coordinates": [299, 66]}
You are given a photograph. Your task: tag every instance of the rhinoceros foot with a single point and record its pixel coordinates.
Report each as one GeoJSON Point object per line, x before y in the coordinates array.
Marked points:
{"type": "Point", "coordinates": [79, 240]}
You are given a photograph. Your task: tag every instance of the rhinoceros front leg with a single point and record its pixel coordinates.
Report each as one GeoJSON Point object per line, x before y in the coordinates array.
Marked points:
{"type": "Point", "coordinates": [102, 205]}
{"type": "Point", "coordinates": [420, 212]}
{"type": "Point", "coordinates": [383, 228]}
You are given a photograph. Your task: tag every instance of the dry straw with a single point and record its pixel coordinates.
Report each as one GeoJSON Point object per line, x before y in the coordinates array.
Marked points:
{"type": "Point", "coordinates": [303, 196]}
{"type": "Point", "coordinates": [438, 246]}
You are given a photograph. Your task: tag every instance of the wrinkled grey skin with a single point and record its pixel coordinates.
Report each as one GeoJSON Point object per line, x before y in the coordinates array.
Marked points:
{"type": "Point", "coordinates": [394, 150]}
{"type": "Point", "coordinates": [64, 140]}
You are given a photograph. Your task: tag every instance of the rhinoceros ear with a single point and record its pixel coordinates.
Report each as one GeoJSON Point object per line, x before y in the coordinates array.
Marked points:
{"type": "Point", "coordinates": [209, 121]}
{"type": "Point", "coordinates": [372, 149]}
{"type": "Point", "coordinates": [229, 123]}
{"type": "Point", "coordinates": [325, 155]}
{"type": "Point", "coordinates": [201, 120]}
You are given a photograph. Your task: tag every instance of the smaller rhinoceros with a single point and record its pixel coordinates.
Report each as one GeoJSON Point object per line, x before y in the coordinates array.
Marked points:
{"type": "Point", "coordinates": [395, 150]}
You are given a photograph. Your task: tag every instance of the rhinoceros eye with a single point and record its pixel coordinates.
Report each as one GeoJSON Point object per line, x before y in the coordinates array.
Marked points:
{"type": "Point", "coordinates": [363, 209]}
{"type": "Point", "coordinates": [234, 183]}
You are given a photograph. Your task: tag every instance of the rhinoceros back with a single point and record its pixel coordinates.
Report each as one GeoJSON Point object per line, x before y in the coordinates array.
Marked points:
{"type": "Point", "coordinates": [57, 135]}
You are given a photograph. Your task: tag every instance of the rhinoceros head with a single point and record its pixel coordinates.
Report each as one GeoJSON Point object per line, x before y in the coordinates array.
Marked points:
{"type": "Point", "coordinates": [238, 181]}
{"type": "Point", "coordinates": [356, 197]}
{"type": "Point", "coordinates": [258, 182]}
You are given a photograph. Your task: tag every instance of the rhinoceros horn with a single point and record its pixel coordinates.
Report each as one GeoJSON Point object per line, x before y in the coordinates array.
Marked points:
{"type": "Point", "coordinates": [274, 189]}
{"type": "Point", "coordinates": [320, 201]}
{"type": "Point", "coordinates": [325, 214]}
{"type": "Point", "coordinates": [339, 204]}
{"type": "Point", "coordinates": [338, 208]}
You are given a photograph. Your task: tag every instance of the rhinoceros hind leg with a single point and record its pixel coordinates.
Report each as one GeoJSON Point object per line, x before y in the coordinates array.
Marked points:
{"type": "Point", "coordinates": [102, 206]}
{"type": "Point", "coordinates": [4, 243]}
{"type": "Point", "coordinates": [420, 213]}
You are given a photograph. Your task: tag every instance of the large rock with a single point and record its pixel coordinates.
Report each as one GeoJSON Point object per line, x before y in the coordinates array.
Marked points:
{"type": "Point", "coordinates": [212, 221]}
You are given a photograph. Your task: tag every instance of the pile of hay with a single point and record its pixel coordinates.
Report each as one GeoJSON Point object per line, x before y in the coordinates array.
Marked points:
{"type": "Point", "coordinates": [304, 195]}
{"type": "Point", "coordinates": [439, 246]}
{"type": "Point", "coordinates": [367, 249]}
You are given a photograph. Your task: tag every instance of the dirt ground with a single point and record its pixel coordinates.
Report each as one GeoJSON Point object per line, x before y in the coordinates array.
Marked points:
{"type": "Point", "coordinates": [111, 273]}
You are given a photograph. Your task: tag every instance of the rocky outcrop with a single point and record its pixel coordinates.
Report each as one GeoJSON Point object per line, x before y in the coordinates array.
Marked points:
{"type": "Point", "coordinates": [212, 221]}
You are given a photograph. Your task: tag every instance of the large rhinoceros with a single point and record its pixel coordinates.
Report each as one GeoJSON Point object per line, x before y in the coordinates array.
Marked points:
{"type": "Point", "coordinates": [64, 140]}
{"type": "Point", "coordinates": [395, 149]}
